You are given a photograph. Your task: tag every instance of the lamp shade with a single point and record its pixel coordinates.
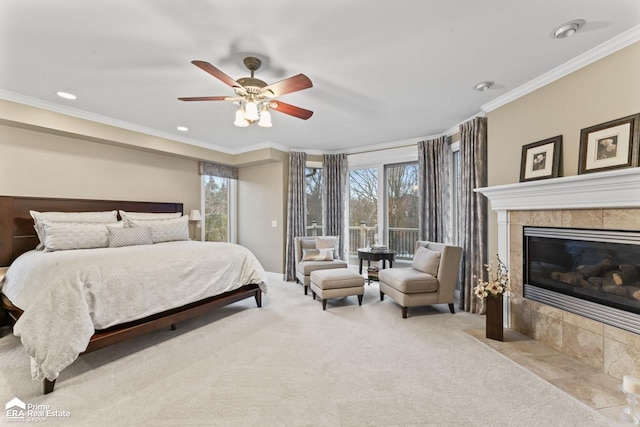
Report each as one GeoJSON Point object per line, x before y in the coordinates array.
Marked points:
{"type": "Point", "coordinates": [265, 119]}
{"type": "Point", "coordinates": [240, 121]}
{"type": "Point", "coordinates": [194, 215]}
{"type": "Point", "coordinates": [251, 111]}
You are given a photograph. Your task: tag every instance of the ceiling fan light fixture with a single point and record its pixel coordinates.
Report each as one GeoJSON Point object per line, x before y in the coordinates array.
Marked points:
{"type": "Point", "coordinates": [240, 121]}
{"type": "Point", "coordinates": [265, 119]}
{"type": "Point", "coordinates": [253, 96]}
{"type": "Point", "coordinates": [567, 29]}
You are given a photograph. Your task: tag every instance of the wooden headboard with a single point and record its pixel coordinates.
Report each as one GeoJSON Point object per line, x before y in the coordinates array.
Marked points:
{"type": "Point", "coordinates": [18, 236]}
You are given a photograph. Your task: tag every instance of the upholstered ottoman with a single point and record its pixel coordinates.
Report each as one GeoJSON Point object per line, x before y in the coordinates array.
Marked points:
{"type": "Point", "coordinates": [339, 282]}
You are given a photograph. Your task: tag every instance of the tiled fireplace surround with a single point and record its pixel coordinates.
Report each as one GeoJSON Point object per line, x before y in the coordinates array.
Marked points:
{"type": "Point", "coordinates": [605, 200]}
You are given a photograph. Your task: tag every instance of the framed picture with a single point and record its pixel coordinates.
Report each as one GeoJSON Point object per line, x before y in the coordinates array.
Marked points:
{"type": "Point", "coordinates": [610, 145]}
{"type": "Point", "coordinates": [541, 159]}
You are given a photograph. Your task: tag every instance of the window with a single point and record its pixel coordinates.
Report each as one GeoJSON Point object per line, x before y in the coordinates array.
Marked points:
{"type": "Point", "coordinates": [219, 204]}
{"type": "Point", "coordinates": [402, 208]}
{"type": "Point", "coordinates": [369, 178]}
{"type": "Point", "coordinates": [313, 176]}
{"type": "Point", "coordinates": [363, 210]}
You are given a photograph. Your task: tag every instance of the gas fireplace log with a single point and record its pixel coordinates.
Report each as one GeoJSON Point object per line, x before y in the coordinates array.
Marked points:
{"type": "Point", "coordinates": [608, 280]}
{"type": "Point", "coordinates": [615, 289]}
{"type": "Point", "coordinates": [596, 281]}
{"type": "Point", "coordinates": [596, 270]}
{"type": "Point", "coordinates": [627, 274]}
{"type": "Point", "coordinates": [635, 294]}
{"type": "Point", "coordinates": [574, 279]}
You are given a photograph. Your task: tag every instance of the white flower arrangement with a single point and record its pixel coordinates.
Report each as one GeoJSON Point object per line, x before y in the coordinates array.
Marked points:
{"type": "Point", "coordinates": [497, 283]}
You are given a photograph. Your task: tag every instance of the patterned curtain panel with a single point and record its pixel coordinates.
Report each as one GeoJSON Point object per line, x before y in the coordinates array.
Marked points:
{"type": "Point", "coordinates": [473, 210]}
{"type": "Point", "coordinates": [335, 184]}
{"type": "Point", "coordinates": [296, 210]}
{"type": "Point", "coordinates": [434, 197]}
{"type": "Point", "coordinates": [214, 169]}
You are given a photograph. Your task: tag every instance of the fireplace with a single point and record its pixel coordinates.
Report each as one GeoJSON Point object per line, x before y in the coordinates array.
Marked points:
{"type": "Point", "coordinates": [593, 273]}
{"type": "Point", "coordinates": [603, 336]}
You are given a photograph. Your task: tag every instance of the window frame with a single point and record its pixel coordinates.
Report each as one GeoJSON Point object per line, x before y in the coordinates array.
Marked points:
{"type": "Point", "coordinates": [232, 213]}
{"type": "Point", "coordinates": [312, 164]}
{"type": "Point", "coordinates": [385, 188]}
{"type": "Point", "coordinates": [378, 159]}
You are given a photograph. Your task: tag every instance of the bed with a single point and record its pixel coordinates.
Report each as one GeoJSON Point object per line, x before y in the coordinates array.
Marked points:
{"type": "Point", "coordinates": [103, 288]}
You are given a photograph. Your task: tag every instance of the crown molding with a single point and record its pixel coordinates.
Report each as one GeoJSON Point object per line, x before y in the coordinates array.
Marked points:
{"type": "Point", "coordinates": [611, 189]}
{"type": "Point", "coordinates": [607, 48]}
{"type": "Point", "coordinates": [81, 114]}
{"type": "Point", "coordinates": [260, 146]}
{"type": "Point", "coordinates": [370, 148]}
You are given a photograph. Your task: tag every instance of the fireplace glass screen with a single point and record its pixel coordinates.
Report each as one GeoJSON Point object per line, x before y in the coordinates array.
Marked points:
{"type": "Point", "coordinates": [600, 266]}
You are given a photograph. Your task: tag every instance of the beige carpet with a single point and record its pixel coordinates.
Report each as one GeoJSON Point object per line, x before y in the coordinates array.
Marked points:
{"type": "Point", "coordinates": [291, 364]}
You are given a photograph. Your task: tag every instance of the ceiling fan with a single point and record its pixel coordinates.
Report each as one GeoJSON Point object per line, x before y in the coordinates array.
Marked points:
{"type": "Point", "coordinates": [254, 97]}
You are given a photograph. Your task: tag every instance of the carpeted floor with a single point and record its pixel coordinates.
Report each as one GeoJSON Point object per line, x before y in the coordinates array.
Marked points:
{"type": "Point", "coordinates": [291, 364]}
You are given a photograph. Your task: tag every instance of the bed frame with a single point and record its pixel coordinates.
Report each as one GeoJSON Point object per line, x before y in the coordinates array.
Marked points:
{"type": "Point", "coordinates": [17, 236]}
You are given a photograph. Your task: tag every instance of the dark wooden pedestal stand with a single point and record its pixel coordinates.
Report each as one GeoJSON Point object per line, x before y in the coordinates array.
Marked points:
{"type": "Point", "coordinates": [494, 318]}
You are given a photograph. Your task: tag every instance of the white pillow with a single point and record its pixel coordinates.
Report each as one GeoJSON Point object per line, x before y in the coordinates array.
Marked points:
{"type": "Point", "coordinates": [130, 236]}
{"type": "Point", "coordinates": [165, 230]}
{"type": "Point", "coordinates": [62, 235]}
{"type": "Point", "coordinates": [328, 242]}
{"type": "Point", "coordinates": [126, 216]}
{"type": "Point", "coordinates": [426, 260]}
{"type": "Point", "coordinates": [317, 254]}
{"type": "Point", "coordinates": [94, 217]}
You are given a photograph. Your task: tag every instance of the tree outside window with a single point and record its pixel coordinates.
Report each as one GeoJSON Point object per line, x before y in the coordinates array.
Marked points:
{"type": "Point", "coordinates": [313, 177]}
{"type": "Point", "coordinates": [363, 209]}
{"type": "Point", "coordinates": [402, 208]}
{"type": "Point", "coordinates": [216, 209]}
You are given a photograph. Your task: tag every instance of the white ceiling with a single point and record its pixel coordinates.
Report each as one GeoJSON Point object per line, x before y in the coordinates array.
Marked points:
{"type": "Point", "coordinates": [382, 71]}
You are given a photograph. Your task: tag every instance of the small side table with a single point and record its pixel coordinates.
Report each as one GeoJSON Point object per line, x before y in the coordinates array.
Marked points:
{"type": "Point", "coordinates": [369, 255]}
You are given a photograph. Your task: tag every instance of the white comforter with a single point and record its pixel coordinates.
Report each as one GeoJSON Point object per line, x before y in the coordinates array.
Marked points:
{"type": "Point", "coordinates": [65, 295]}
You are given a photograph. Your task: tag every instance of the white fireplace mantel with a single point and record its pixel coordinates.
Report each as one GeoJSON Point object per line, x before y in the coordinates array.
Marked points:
{"type": "Point", "coordinates": [612, 189]}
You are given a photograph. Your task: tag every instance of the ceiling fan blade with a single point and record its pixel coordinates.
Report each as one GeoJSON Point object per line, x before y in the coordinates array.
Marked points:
{"type": "Point", "coordinates": [291, 110]}
{"type": "Point", "coordinates": [288, 85]}
{"type": "Point", "coordinates": [205, 98]}
{"type": "Point", "coordinates": [203, 65]}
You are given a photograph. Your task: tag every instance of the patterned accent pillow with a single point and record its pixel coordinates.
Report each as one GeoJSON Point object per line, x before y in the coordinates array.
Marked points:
{"type": "Point", "coordinates": [62, 235]}
{"type": "Point", "coordinates": [329, 242]}
{"type": "Point", "coordinates": [165, 230]}
{"type": "Point", "coordinates": [317, 254]}
{"type": "Point", "coordinates": [131, 236]}
{"type": "Point", "coordinates": [95, 217]}
{"type": "Point", "coordinates": [426, 260]}
{"type": "Point", "coordinates": [126, 216]}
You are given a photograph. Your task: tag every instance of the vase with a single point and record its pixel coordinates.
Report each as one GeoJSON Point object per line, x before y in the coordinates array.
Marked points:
{"type": "Point", "coordinates": [494, 318]}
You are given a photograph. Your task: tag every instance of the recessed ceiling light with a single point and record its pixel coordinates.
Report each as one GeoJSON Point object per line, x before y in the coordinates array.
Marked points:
{"type": "Point", "coordinates": [66, 95]}
{"type": "Point", "coordinates": [567, 29]}
{"type": "Point", "coordinates": [482, 86]}
{"type": "Point", "coordinates": [183, 128]}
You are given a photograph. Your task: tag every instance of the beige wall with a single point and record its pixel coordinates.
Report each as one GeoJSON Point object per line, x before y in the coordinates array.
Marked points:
{"type": "Point", "coordinates": [605, 90]}
{"type": "Point", "coordinates": [35, 163]}
{"type": "Point", "coordinates": [261, 198]}
{"type": "Point", "coordinates": [48, 154]}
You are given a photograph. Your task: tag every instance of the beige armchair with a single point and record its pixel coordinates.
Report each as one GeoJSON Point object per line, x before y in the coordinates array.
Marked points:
{"type": "Point", "coordinates": [305, 267]}
{"type": "Point", "coordinates": [431, 279]}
